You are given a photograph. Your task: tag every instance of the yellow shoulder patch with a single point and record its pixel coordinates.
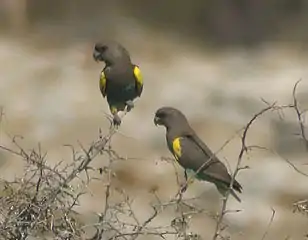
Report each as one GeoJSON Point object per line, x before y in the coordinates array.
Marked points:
{"type": "Point", "coordinates": [102, 83]}
{"type": "Point", "coordinates": [176, 147]}
{"type": "Point", "coordinates": [139, 79]}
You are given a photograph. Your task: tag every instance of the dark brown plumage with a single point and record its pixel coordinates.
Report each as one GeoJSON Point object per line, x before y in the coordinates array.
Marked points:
{"type": "Point", "coordinates": [120, 80]}
{"type": "Point", "coordinates": [191, 152]}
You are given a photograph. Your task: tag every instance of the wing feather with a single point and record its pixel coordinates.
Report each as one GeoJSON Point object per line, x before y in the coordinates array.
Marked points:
{"type": "Point", "coordinates": [199, 155]}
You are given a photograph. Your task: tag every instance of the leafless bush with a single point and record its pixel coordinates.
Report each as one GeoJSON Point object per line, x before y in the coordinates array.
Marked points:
{"type": "Point", "coordinates": [41, 203]}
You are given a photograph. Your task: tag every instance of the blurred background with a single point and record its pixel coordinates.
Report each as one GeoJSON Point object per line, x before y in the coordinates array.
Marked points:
{"type": "Point", "coordinates": [214, 60]}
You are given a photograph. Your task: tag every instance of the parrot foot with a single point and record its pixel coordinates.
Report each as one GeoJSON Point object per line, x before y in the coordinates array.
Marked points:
{"type": "Point", "coordinates": [130, 105]}
{"type": "Point", "coordinates": [183, 188]}
{"type": "Point", "coordinates": [116, 120]}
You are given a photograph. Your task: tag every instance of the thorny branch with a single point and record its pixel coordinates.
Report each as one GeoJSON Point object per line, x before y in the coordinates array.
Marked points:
{"type": "Point", "coordinates": [269, 224]}
{"type": "Point", "coordinates": [45, 190]}
{"type": "Point", "coordinates": [237, 169]}
{"type": "Point", "coordinates": [299, 114]}
{"type": "Point", "coordinates": [245, 148]}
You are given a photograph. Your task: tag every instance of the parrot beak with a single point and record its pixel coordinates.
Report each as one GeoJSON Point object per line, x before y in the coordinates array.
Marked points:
{"type": "Point", "coordinates": [157, 121]}
{"type": "Point", "coordinates": [97, 56]}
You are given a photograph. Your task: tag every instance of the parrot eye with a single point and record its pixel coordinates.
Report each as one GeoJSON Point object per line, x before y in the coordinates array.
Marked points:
{"type": "Point", "coordinates": [161, 114]}
{"type": "Point", "coordinates": [103, 48]}
{"type": "Point", "coordinates": [100, 48]}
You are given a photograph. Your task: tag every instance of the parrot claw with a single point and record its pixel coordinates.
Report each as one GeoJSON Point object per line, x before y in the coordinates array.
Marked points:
{"type": "Point", "coordinates": [183, 188]}
{"type": "Point", "coordinates": [116, 120]}
{"type": "Point", "coordinates": [130, 105]}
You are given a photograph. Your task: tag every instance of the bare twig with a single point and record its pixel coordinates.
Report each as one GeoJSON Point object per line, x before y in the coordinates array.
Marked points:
{"type": "Point", "coordinates": [299, 115]}
{"type": "Point", "coordinates": [237, 168]}
{"type": "Point", "coordinates": [269, 224]}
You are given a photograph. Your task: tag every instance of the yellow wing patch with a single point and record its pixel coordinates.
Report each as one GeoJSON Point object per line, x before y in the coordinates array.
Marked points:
{"type": "Point", "coordinates": [176, 147]}
{"type": "Point", "coordinates": [139, 79]}
{"type": "Point", "coordinates": [102, 83]}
